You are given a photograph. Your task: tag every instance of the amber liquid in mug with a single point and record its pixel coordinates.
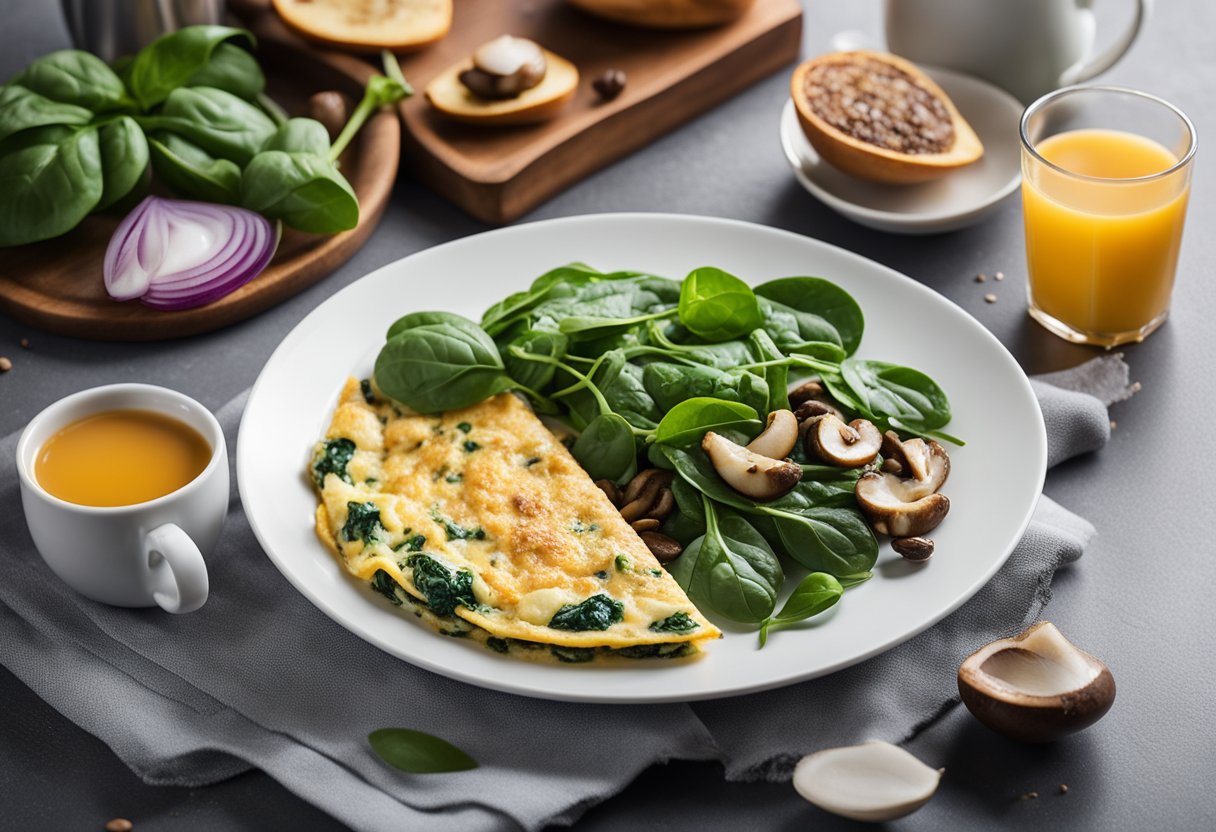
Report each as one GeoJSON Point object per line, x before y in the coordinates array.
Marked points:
{"type": "Point", "coordinates": [120, 458]}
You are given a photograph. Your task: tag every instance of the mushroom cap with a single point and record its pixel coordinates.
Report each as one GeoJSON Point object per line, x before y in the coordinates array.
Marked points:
{"type": "Point", "coordinates": [779, 436]}
{"type": "Point", "coordinates": [752, 475]}
{"type": "Point", "coordinates": [847, 446]}
{"type": "Point", "coordinates": [1037, 686]}
{"type": "Point", "coordinates": [882, 498]}
{"type": "Point", "coordinates": [874, 781]}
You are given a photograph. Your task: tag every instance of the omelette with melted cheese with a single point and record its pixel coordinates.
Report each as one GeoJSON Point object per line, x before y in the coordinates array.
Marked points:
{"type": "Point", "coordinates": [481, 523]}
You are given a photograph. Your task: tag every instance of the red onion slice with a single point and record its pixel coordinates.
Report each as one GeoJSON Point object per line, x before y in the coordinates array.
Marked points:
{"type": "Point", "coordinates": [176, 254]}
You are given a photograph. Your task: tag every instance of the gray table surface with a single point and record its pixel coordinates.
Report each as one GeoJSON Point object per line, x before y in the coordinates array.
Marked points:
{"type": "Point", "coordinates": [1141, 597]}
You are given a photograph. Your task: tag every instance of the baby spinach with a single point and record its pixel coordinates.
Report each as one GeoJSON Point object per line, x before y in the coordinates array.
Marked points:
{"type": "Point", "coordinates": [21, 109]}
{"type": "Point", "coordinates": [441, 366]}
{"type": "Point", "coordinates": [814, 594]}
{"type": "Point", "coordinates": [533, 374]}
{"type": "Point", "coordinates": [172, 60]}
{"type": "Point", "coordinates": [606, 449]}
{"type": "Point", "coordinates": [825, 309]}
{"type": "Point", "coordinates": [688, 421]}
{"type": "Point", "coordinates": [444, 589]}
{"type": "Point", "coordinates": [124, 158]}
{"type": "Point", "coordinates": [332, 458]}
{"type": "Point", "coordinates": [303, 190]}
{"type": "Point", "coordinates": [73, 76]}
{"type": "Point", "coordinates": [572, 655]}
{"type": "Point", "coordinates": [415, 752]}
{"type": "Point", "coordinates": [730, 569]}
{"type": "Point", "coordinates": [599, 612]}
{"type": "Point", "coordinates": [383, 583]}
{"type": "Point", "coordinates": [192, 172]}
{"type": "Point", "coordinates": [363, 523]}
{"type": "Point", "coordinates": [217, 121]}
{"type": "Point", "coordinates": [50, 179]}
{"type": "Point", "coordinates": [677, 622]}
{"type": "Point", "coordinates": [687, 522]}
{"type": "Point", "coordinates": [827, 539]}
{"type": "Point", "coordinates": [455, 531]}
{"type": "Point", "coordinates": [232, 69]}
{"type": "Point", "coordinates": [895, 395]}
{"type": "Point", "coordinates": [777, 376]}
{"type": "Point", "coordinates": [669, 384]}
{"type": "Point", "coordinates": [718, 306]}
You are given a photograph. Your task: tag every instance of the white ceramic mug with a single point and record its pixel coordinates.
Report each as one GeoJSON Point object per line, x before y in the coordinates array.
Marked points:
{"type": "Point", "coordinates": [141, 555]}
{"type": "Point", "coordinates": [1029, 47]}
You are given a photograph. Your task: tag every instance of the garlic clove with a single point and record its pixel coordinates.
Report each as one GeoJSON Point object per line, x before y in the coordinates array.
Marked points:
{"type": "Point", "coordinates": [1037, 686]}
{"type": "Point", "coordinates": [874, 781]}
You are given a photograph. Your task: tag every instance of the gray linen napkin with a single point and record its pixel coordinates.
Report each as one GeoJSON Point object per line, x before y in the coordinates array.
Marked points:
{"type": "Point", "coordinates": [260, 678]}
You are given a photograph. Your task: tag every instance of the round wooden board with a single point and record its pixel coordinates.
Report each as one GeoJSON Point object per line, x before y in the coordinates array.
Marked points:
{"type": "Point", "coordinates": [56, 285]}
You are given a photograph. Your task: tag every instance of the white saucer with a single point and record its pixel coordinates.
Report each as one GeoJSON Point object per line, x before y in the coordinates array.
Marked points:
{"type": "Point", "coordinates": [955, 201]}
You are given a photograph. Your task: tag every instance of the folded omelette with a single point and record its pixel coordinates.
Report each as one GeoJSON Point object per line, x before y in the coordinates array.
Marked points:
{"type": "Point", "coordinates": [481, 523]}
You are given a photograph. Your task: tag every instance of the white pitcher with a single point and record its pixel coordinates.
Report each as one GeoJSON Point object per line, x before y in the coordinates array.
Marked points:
{"type": "Point", "coordinates": [1029, 47]}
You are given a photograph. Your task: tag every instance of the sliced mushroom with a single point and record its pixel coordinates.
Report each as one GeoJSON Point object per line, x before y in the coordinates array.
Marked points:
{"type": "Point", "coordinates": [874, 781]}
{"type": "Point", "coordinates": [504, 68]}
{"type": "Point", "coordinates": [806, 391]}
{"type": "Point", "coordinates": [778, 437]}
{"type": "Point", "coordinates": [749, 473]}
{"type": "Point", "coordinates": [887, 502]}
{"type": "Point", "coordinates": [1037, 686]}
{"type": "Point", "coordinates": [848, 446]}
{"type": "Point", "coordinates": [814, 407]}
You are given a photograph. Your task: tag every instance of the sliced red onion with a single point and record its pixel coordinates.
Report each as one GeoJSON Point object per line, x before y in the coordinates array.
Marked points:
{"type": "Point", "coordinates": [175, 254]}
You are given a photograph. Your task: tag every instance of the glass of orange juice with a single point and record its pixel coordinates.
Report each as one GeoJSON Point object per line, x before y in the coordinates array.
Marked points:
{"type": "Point", "coordinates": [1106, 173]}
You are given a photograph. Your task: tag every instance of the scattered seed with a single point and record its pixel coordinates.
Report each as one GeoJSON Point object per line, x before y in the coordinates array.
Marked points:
{"type": "Point", "coordinates": [916, 549]}
{"type": "Point", "coordinates": [646, 524]}
{"type": "Point", "coordinates": [999, 275]}
{"type": "Point", "coordinates": [119, 825]}
{"type": "Point", "coordinates": [1136, 388]}
{"type": "Point", "coordinates": [991, 298]}
{"type": "Point", "coordinates": [981, 277]}
{"type": "Point", "coordinates": [1113, 424]}
{"type": "Point", "coordinates": [5, 364]}
{"type": "Point", "coordinates": [25, 343]}
{"type": "Point", "coordinates": [1029, 796]}
{"type": "Point", "coordinates": [1063, 788]}
{"type": "Point", "coordinates": [609, 84]}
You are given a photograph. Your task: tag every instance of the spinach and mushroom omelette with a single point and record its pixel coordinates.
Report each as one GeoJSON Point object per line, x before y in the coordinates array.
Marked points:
{"type": "Point", "coordinates": [481, 523]}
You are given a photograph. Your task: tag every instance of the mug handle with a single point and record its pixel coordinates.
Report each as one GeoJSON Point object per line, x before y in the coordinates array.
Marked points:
{"type": "Point", "coordinates": [177, 572]}
{"type": "Point", "coordinates": [1104, 61]}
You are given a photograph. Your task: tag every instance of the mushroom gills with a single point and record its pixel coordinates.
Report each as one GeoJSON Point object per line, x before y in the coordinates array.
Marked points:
{"type": "Point", "coordinates": [874, 781]}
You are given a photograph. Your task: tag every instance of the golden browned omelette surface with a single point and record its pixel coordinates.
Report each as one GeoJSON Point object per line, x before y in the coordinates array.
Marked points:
{"type": "Point", "coordinates": [480, 521]}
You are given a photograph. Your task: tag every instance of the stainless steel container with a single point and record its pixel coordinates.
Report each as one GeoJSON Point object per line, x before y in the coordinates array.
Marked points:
{"type": "Point", "coordinates": [111, 28]}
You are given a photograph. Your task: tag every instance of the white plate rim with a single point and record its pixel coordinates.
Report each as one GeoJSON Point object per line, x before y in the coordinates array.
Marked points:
{"type": "Point", "coordinates": [245, 463]}
{"type": "Point", "coordinates": [928, 221]}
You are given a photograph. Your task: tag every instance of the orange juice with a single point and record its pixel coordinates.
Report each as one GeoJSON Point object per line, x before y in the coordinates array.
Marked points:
{"type": "Point", "coordinates": [1101, 241]}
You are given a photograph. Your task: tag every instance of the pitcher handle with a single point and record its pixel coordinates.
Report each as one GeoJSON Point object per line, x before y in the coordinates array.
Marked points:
{"type": "Point", "coordinates": [1105, 60]}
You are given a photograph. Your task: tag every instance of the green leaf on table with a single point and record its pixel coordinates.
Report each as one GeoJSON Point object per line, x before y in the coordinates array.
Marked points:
{"type": "Point", "coordinates": [192, 172]}
{"type": "Point", "coordinates": [219, 122]}
{"type": "Point", "coordinates": [124, 158]}
{"type": "Point", "coordinates": [416, 752]}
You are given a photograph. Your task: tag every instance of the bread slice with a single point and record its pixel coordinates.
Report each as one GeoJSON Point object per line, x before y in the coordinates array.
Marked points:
{"type": "Point", "coordinates": [368, 25]}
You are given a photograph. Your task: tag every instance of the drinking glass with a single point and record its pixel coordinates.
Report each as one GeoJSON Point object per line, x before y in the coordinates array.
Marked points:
{"type": "Point", "coordinates": [1106, 173]}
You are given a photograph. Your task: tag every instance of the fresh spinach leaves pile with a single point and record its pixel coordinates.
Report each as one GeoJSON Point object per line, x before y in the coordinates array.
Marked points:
{"type": "Point", "coordinates": [642, 366]}
{"type": "Point", "coordinates": [77, 136]}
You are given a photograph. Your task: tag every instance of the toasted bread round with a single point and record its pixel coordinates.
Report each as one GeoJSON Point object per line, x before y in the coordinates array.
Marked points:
{"type": "Point", "coordinates": [397, 25]}
{"type": "Point", "coordinates": [452, 98]}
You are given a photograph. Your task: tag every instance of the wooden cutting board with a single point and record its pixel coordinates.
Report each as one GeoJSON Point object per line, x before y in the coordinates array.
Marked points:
{"type": "Point", "coordinates": [498, 174]}
{"type": "Point", "coordinates": [56, 285]}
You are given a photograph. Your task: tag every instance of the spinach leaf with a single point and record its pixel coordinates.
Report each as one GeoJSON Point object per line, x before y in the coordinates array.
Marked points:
{"type": "Point", "coordinates": [685, 424]}
{"type": "Point", "coordinates": [677, 622]}
{"type": "Point", "coordinates": [363, 523]}
{"type": "Point", "coordinates": [718, 306]}
{"type": "Point", "coordinates": [441, 366]}
{"type": "Point", "coordinates": [678, 342]}
{"type": "Point", "coordinates": [217, 121]}
{"type": "Point", "coordinates": [835, 540]}
{"type": "Point", "coordinates": [21, 109]}
{"type": "Point", "coordinates": [304, 190]}
{"type": "Point", "coordinates": [777, 376]}
{"type": "Point", "coordinates": [124, 158]}
{"type": "Point", "coordinates": [233, 70]}
{"type": "Point", "coordinates": [443, 588]}
{"type": "Point", "coordinates": [192, 172]}
{"type": "Point", "coordinates": [821, 299]}
{"type": "Point", "coordinates": [383, 583]}
{"type": "Point", "coordinates": [455, 531]}
{"type": "Point", "coordinates": [626, 394]}
{"type": "Point", "coordinates": [572, 655]}
{"type": "Point", "coordinates": [300, 135]}
{"type": "Point", "coordinates": [606, 449]}
{"type": "Point", "coordinates": [670, 384]}
{"type": "Point", "coordinates": [50, 179]}
{"type": "Point", "coordinates": [73, 76]}
{"type": "Point", "coordinates": [332, 458]}
{"type": "Point", "coordinates": [730, 569]}
{"type": "Point", "coordinates": [415, 752]}
{"type": "Point", "coordinates": [414, 319]}
{"type": "Point", "coordinates": [599, 612]}
{"type": "Point", "coordinates": [687, 522]}
{"type": "Point", "coordinates": [533, 374]}
{"type": "Point", "coordinates": [814, 594]}
{"type": "Point", "coordinates": [172, 60]}
{"type": "Point", "coordinates": [899, 396]}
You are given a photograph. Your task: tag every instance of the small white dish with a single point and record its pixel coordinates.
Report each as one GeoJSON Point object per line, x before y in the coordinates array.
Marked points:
{"type": "Point", "coordinates": [955, 201]}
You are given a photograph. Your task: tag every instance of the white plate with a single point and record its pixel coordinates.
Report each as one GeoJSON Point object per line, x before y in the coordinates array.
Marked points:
{"type": "Point", "coordinates": [956, 200]}
{"type": "Point", "coordinates": [994, 485]}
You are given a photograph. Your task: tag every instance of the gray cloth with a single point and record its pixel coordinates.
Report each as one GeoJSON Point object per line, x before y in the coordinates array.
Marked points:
{"type": "Point", "coordinates": [260, 678]}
